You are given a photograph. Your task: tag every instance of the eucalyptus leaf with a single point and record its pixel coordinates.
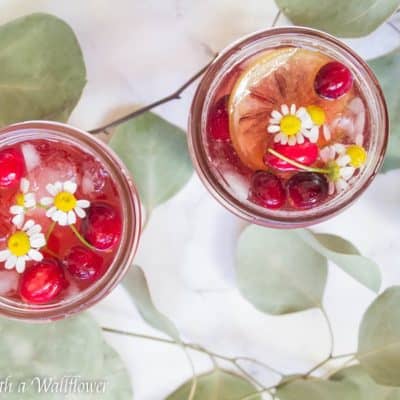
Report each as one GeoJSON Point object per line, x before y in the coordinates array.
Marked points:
{"type": "Point", "coordinates": [136, 285]}
{"type": "Point", "coordinates": [217, 385]}
{"type": "Point", "coordinates": [317, 389]}
{"type": "Point", "coordinates": [387, 70]}
{"type": "Point", "coordinates": [346, 256]}
{"type": "Point", "coordinates": [42, 72]}
{"type": "Point", "coordinates": [278, 272]}
{"type": "Point", "coordinates": [366, 387]}
{"type": "Point", "coordinates": [379, 338]}
{"type": "Point", "coordinates": [344, 18]}
{"type": "Point", "coordinates": [156, 153]}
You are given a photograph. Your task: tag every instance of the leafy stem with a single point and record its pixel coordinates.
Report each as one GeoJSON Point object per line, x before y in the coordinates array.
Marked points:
{"type": "Point", "coordinates": [81, 238]}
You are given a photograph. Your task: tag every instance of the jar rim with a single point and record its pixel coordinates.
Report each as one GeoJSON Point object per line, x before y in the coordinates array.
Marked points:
{"type": "Point", "coordinates": [196, 126]}
{"type": "Point", "coordinates": [130, 210]}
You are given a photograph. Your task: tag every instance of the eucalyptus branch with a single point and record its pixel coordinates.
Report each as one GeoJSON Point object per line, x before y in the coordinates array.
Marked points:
{"type": "Point", "coordinates": [173, 96]}
{"type": "Point", "coordinates": [330, 329]}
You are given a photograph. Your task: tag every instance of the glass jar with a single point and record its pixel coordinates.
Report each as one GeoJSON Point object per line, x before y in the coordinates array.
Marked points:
{"type": "Point", "coordinates": [234, 196]}
{"type": "Point", "coordinates": [129, 209]}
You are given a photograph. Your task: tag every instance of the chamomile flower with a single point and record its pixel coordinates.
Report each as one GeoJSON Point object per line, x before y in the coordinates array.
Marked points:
{"type": "Point", "coordinates": [64, 206]}
{"type": "Point", "coordinates": [22, 246]}
{"type": "Point", "coordinates": [318, 117]}
{"type": "Point", "coordinates": [24, 201]}
{"type": "Point", "coordinates": [292, 125]}
{"type": "Point", "coordinates": [340, 165]}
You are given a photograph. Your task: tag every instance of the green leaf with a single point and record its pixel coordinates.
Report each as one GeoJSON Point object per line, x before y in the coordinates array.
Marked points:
{"type": "Point", "coordinates": [42, 72]}
{"type": "Point", "coordinates": [278, 272]}
{"type": "Point", "coordinates": [316, 389]}
{"type": "Point", "coordinates": [156, 153]}
{"type": "Point", "coordinates": [387, 70]}
{"type": "Point", "coordinates": [217, 385]}
{"type": "Point", "coordinates": [116, 376]}
{"type": "Point", "coordinates": [379, 338]}
{"type": "Point", "coordinates": [367, 388]}
{"type": "Point", "coordinates": [346, 256]}
{"type": "Point", "coordinates": [136, 285]}
{"type": "Point", "coordinates": [344, 18]}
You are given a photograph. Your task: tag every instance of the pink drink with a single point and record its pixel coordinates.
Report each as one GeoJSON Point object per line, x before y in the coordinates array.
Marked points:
{"type": "Point", "coordinates": [61, 220]}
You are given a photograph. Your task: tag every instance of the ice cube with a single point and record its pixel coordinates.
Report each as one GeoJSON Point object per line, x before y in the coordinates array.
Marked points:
{"type": "Point", "coordinates": [238, 184]}
{"type": "Point", "coordinates": [8, 282]}
{"type": "Point", "coordinates": [94, 177]}
{"type": "Point", "coordinates": [31, 156]}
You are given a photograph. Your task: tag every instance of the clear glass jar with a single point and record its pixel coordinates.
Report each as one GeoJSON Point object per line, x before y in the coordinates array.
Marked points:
{"type": "Point", "coordinates": [310, 39]}
{"type": "Point", "coordinates": [130, 215]}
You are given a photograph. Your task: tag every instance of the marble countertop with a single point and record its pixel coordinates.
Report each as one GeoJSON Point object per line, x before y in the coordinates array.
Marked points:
{"type": "Point", "coordinates": [136, 52]}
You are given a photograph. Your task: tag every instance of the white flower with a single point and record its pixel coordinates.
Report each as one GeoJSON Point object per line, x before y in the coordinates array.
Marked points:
{"type": "Point", "coordinates": [291, 126]}
{"type": "Point", "coordinates": [24, 201]}
{"type": "Point", "coordinates": [64, 206]}
{"type": "Point", "coordinates": [339, 162]}
{"type": "Point", "coordinates": [22, 246]}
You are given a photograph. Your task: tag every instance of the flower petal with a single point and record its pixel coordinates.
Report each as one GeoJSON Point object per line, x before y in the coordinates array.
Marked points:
{"type": "Point", "coordinates": [284, 109]}
{"type": "Point", "coordinates": [30, 200]}
{"type": "Point", "coordinates": [339, 148]}
{"type": "Point", "coordinates": [312, 134]}
{"type": "Point", "coordinates": [28, 225]}
{"type": "Point", "coordinates": [58, 186]}
{"type": "Point", "coordinates": [292, 140]}
{"type": "Point", "coordinates": [293, 109]}
{"type": "Point", "coordinates": [331, 188]}
{"type": "Point", "coordinates": [343, 160]}
{"type": "Point", "coordinates": [341, 185]}
{"type": "Point", "coordinates": [34, 230]}
{"type": "Point", "coordinates": [20, 265]}
{"type": "Point", "coordinates": [70, 187]}
{"type": "Point", "coordinates": [56, 215]}
{"type": "Point", "coordinates": [50, 212]}
{"type": "Point", "coordinates": [284, 139]}
{"type": "Point", "coordinates": [35, 255]}
{"type": "Point", "coordinates": [4, 254]}
{"type": "Point", "coordinates": [359, 139]}
{"type": "Point", "coordinates": [83, 203]}
{"type": "Point", "coordinates": [273, 128]}
{"type": "Point", "coordinates": [62, 218]}
{"type": "Point", "coordinates": [80, 212]}
{"type": "Point", "coordinates": [46, 201]}
{"type": "Point", "coordinates": [37, 241]}
{"type": "Point", "coordinates": [300, 138]}
{"type": "Point", "coordinates": [18, 220]}
{"type": "Point", "coordinates": [71, 218]}
{"type": "Point", "coordinates": [11, 261]}
{"type": "Point", "coordinates": [327, 132]}
{"type": "Point", "coordinates": [24, 186]}
{"type": "Point", "coordinates": [51, 189]}
{"type": "Point", "coordinates": [274, 121]}
{"type": "Point", "coordinates": [15, 210]}
{"type": "Point", "coordinates": [347, 172]}
{"type": "Point", "coordinates": [324, 154]}
{"type": "Point", "coordinates": [277, 115]}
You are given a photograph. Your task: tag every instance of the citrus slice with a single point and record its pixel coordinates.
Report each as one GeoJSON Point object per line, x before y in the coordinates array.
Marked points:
{"type": "Point", "coordinates": [274, 78]}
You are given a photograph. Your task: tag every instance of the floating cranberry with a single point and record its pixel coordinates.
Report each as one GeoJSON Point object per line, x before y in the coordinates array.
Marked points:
{"type": "Point", "coordinates": [42, 282]}
{"type": "Point", "coordinates": [102, 227]}
{"type": "Point", "coordinates": [307, 189]}
{"type": "Point", "coordinates": [218, 120]}
{"type": "Point", "coordinates": [12, 167]}
{"type": "Point", "coordinates": [84, 264]}
{"type": "Point", "coordinates": [267, 190]}
{"type": "Point", "coordinates": [333, 80]}
{"type": "Point", "coordinates": [305, 154]}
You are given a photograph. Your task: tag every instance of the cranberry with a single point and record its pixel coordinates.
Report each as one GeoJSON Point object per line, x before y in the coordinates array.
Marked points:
{"type": "Point", "coordinates": [84, 264]}
{"type": "Point", "coordinates": [102, 226]}
{"type": "Point", "coordinates": [42, 282]}
{"type": "Point", "coordinates": [12, 168]}
{"type": "Point", "coordinates": [333, 80]}
{"type": "Point", "coordinates": [267, 190]}
{"type": "Point", "coordinates": [305, 153]}
{"type": "Point", "coordinates": [307, 189]}
{"type": "Point", "coordinates": [218, 120]}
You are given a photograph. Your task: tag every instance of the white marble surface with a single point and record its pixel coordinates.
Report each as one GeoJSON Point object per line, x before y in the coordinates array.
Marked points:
{"type": "Point", "coordinates": [137, 51]}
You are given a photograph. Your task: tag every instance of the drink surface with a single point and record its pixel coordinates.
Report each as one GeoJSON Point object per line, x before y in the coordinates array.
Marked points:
{"type": "Point", "coordinates": [288, 129]}
{"type": "Point", "coordinates": [60, 221]}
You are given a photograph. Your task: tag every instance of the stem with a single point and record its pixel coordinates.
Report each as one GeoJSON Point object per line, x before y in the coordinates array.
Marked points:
{"type": "Point", "coordinates": [50, 231]}
{"type": "Point", "coordinates": [82, 239]}
{"type": "Point", "coordinates": [174, 96]}
{"type": "Point", "coordinates": [331, 335]}
{"type": "Point", "coordinates": [51, 252]}
{"type": "Point", "coordinates": [345, 364]}
{"type": "Point", "coordinates": [298, 165]}
{"type": "Point", "coordinates": [278, 14]}
{"type": "Point", "coordinates": [259, 392]}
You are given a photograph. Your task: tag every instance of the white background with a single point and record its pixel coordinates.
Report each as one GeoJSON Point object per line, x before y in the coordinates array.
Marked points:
{"type": "Point", "coordinates": [138, 51]}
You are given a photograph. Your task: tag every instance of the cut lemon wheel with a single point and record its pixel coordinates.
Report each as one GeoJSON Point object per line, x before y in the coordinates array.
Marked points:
{"type": "Point", "coordinates": [274, 78]}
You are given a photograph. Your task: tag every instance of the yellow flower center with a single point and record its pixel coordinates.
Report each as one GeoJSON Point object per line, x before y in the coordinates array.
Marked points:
{"type": "Point", "coordinates": [317, 115]}
{"type": "Point", "coordinates": [357, 154]}
{"type": "Point", "coordinates": [19, 244]}
{"type": "Point", "coordinates": [65, 201]}
{"type": "Point", "coordinates": [290, 125]}
{"type": "Point", "coordinates": [20, 199]}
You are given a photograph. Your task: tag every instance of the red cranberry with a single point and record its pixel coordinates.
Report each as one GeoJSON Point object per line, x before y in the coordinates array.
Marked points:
{"type": "Point", "coordinates": [333, 80]}
{"type": "Point", "coordinates": [307, 189]}
{"type": "Point", "coordinates": [305, 153]}
{"type": "Point", "coordinates": [218, 120]}
{"type": "Point", "coordinates": [102, 227]}
{"type": "Point", "coordinates": [42, 282]}
{"type": "Point", "coordinates": [12, 167]}
{"type": "Point", "coordinates": [84, 264]}
{"type": "Point", "coordinates": [267, 190]}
